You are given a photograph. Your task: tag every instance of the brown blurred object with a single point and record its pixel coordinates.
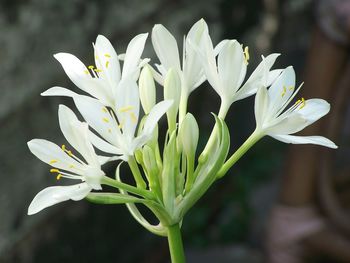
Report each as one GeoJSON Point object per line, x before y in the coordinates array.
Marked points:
{"type": "Point", "coordinates": [310, 170]}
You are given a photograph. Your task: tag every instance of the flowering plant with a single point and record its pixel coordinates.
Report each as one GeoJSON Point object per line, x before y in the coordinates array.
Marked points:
{"type": "Point", "coordinates": [171, 180]}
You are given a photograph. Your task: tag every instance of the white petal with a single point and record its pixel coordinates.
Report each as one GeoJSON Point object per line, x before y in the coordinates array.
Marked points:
{"type": "Point", "coordinates": [106, 59]}
{"type": "Point", "coordinates": [59, 91]}
{"type": "Point", "coordinates": [260, 106]}
{"type": "Point", "coordinates": [98, 117]}
{"type": "Point", "coordinates": [103, 145]}
{"type": "Point", "coordinates": [57, 194]}
{"type": "Point", "coordinates": [156, 113]}
{"type": "Point", "coordinates": [128, 106]}
{"type": "Point", "coordinates": [133, 54]}
{"type": "Point", "coordinates": [314, 109]}
{"type": "Point", "coordinates": [256, 79]}
{"type": "Point", "coordinates": [53, 155]}
{"type": "Point", "coordinates": [319, 140]}
{"type": "Point", "coordinates": [231, 65]}
{"type": "Point", "coordinates": [281, 90]}
{"type": "Point", "coordinates": [290, 124]}
{"type": "Point", "coordinates": [165, 46]}
{"type": "Point", "coordinates": [76, 133]}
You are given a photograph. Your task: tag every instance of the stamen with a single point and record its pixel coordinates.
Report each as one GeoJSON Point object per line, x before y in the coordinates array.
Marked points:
{"type": "Point", "coordinates": [91, 67]}
{"type": "Point", "coordinates": [98, 70]}
{"type": "Point", "coordinates": [246, 54]}
{"type": "Point", "coordinates": [284, 91]}
{"type": "Point", "coordinates": [105, 120]}
{"type": "Point", "coordinates": [107, 63]}
{"type": "Point", "coordinates": [54, 171]}
{"type": "Point", "coordinates": [63, 147]}
{"type": "Point", "coordinates": [69, 153]}
{"type": "Point", "coordinates": [58, 177]}
{"type": "Point", "coordinates": [133, 117]}
{"type": "Point", "coordinates": [291, 88]}
{"type": "Point", "coordinates": [104, 109]}
{"type": "Point", "coordinates": [107, 55]}
{"type": "Point", "coordinates": [86, 72]}
{"type": "Point", "coordinates": [71, 166]}
{"type": "Point", "coordinates": [53, 161]}
{"type": "Point", "coordinates": [127, 108]}
{"type": "Point", "coordinates": [302, 103]}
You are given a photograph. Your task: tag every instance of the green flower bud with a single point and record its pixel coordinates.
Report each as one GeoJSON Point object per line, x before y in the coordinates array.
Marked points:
{"type": "Point", "coordinates": [188, 135]}
{"type": "Point", "coordinates": [147, 89]}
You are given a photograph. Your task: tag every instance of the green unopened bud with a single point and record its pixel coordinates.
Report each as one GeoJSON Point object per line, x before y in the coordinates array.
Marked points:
{"type": "Point", "coordinates": [151, 167]}
{"type": "Point", "coordinates": [147, 89]}
{"type": "Point", "coordinates": [188, 135]}
{"type": "Point", "coordinates": [172, 91]}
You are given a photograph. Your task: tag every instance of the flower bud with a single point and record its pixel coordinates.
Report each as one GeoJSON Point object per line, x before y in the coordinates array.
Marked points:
{"type": "Point", "coordinates": [188, 135]}
{"type": "Point", "coordinates": [147, 89]}
{"type": "Point", "coordinates": [172, 91]}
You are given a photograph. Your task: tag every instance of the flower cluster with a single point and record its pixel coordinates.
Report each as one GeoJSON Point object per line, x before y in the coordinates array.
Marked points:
{"type": "Point", "coordinates": [168, 180]}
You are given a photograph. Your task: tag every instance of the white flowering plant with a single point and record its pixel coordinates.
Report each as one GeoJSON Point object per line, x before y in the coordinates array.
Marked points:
{"type": "Point", "coordinates": [169, 180]}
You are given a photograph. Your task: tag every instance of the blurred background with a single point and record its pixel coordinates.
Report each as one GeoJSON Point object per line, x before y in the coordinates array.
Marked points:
{"type": "Point", "coordinates": [278, 204]}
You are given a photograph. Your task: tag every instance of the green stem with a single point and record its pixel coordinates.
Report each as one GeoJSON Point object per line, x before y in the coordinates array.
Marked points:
{"type": "Point", "coordinates": [136, 173]}
{"type": "Point", "coordinates": [175, 244]}
{"type": "Point", "coordinates": [126, 187]}
{"type": "Point", "coordinates": [253, 138]}
{"type": "Point", "coordinates": [224, 107]}
{"type": "Point", "coordinates": [183, 105]}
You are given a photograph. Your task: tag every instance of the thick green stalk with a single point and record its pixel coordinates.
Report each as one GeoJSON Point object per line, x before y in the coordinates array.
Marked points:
{"type": "Point", "coordinates": [136, 173]}
{"type": "Point", "coordinates": [175, 244]}
{"type": "Point", "coordinates": [253, 138]}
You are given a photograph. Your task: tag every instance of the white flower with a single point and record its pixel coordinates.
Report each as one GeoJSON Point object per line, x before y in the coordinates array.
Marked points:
{"type": "Point", "coordinates": [226, 74]}
{"type": "Point", "coordinates": [66, 164]}
{"type": "Point", "coordinates": [166, 48]}
{"type": "Point", "coordinates": [105, 79]}
{"type": "Point", "coordinates": [272, 119]}
{"type": "Point", "coordinates": [118, 128]}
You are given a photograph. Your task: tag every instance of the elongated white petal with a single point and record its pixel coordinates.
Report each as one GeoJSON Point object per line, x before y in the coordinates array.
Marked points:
{"type": "Point", "coordinates": [192, 66]}
{"type": "Point", "coordinates": [76, 133]}
{"type": "Point", "coordinates": [128, 106]}
{"type": "Point", "coordinates": [281, 90]}
{"type": "Point", "coordinates": [59, 91]}
{"type": "Point", "coordinates": [314, 109]}
{"type": "Point", "coordinates": [291, 124]}
{"type": "Point", "coordinates": [57, 194]}
{"type": "Point", "coordinates": [231, 68]}
{"type": "Point", "coordinates": [319, 140]}
{"type": "Point", "coordinates": [133, 54]}
{"type": "Point", "coordinates": [165, 46]}
{"type": "Point", "coordinates": [53, 155]}
{"type": "Point", "coordinates": [156, 113]}
{"type": "Point", "coordinates": [107, 62]}
{"type": "Point", "coordinates": [103, 145]}
{"type": "Point", "coordinates": [99, 118]}
{"type": "Point", "coordinates": [256, 79]}
{"type": "Point", "coordinates": [260, 106]}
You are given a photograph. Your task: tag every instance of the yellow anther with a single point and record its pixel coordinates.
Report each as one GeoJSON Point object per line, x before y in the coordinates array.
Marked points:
{"type": "Point", "coordinates": [107, 55]}
{"type": "Point", "coordinates": [71, 166]}
{"type": "Point", "coordinates": [97, 70]}
{"type": "Point", "coordinates": [127, 108]}
{"type": "Point", "coordinates": [53, 161]}
{"type": "Point", "coordinates": [302, 103]}
{"type": "Point", "coordinates": [291, 88]}
{"type": "Point", "coordinates": [284, 91]}
{"type": "Point", "coordinates": [107, 63]}
{"type": "Point", "coordinates": [70, 153]}
{"type": "Point", "coordinates": [105, 120]}
{"type": "Point", "coordinates": [54, 171]}
{"type": "Point", "coordinates": [104, 109]}
{"type": "Point", "coordinates": [63, 147]}
{"type": "Point", "coordinates": [133, 117]}
{"type": "Point", "coordinates": [91, 67]}
{"type": "Point", "coordinates": [96, 57]}
{"type": "Point", "coordinates": [246, 54]}
{"type": "Point", "coordinates": [58, 177]}
{"type": "Point", "coordinates": [86, 72]}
